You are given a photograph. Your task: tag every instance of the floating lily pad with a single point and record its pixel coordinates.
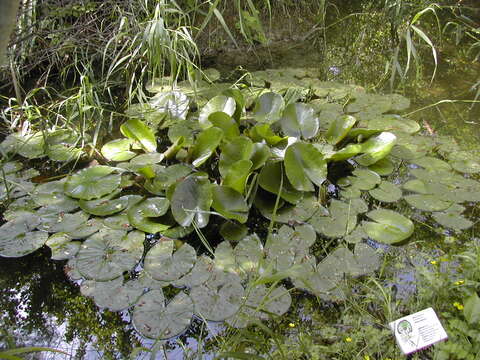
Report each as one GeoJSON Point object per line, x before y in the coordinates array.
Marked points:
{"type": "Point", "coordinates": [263, 132]}
{"type": "Point", "coordinates": [383, 167]}
{"type": "Point", "coordinates": [92, 183]}
{"type": "Point", "coordinates": [304, 164]}
{"type": "Point", "coordinates": [118, 150]}
{"type": "Point", "coordinates": [394, 123]}
{"type": "Point", "coordinates": [219, 298]}
{"type": "Point", "coordinates": [143, 215]}
{"type": "Point", "coordinates": [248, 253]}
{"type": "Point", "coordinates": [106, 206]}
{"type": "Point", "coordinates": [52, 194]}
{"type": "Point", "coordinates": [62, 246]}
{"type": "Point", "coordinates": [165, 177]}
{"type": "Point", "coordinates": [191, 201]}
{"type": "Point", "coordinates": [237, 175]}
{"type": "Point", "coordinates": [108, 253]}
{"type": "Point", "coordinates": [200, 273]}
{"type": "Point", "coordinates": [225, 258]}
{"type": "Point", "coordinates": [63, 152]}
{"type": "Point", "coordinates": [386, 192]}
{"type": "Point", "coordinates": [154, 320]}
{"type": "Point", "coordinates": [115, 294]}
{"type": "Point", "coordinates": [18, 238]}
{"type": "Point", "coordinates": [165, 265]}
{"type": "Point", "coordinates": [427, 202]}
{"type": "Point", "coordinates": [299, 120]}
{"type": "Point", "coordinates": [389, 227]}
{"type": "Point", "coordinates": [432, 163]}
{"type": "Point", "coordinates": [341, 221]}
{"type": "Point", "coordinates": [225, 122]}
{"type": "Point", "coordinates": [232, 231]}
{"type": "Point", "coordinates": [261, 303]}
{"type": "Point", "coordinates": [452, 220]}
{"type": "Point", "coordinates": [118, 222]}
{"type": "Point", "coordinates": [220, 103]}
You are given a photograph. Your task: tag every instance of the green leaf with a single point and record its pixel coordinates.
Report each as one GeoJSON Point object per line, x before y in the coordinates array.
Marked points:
{"type": "Point", "coordinates": [18, 238]}
{"type": "Point", "coordinates": [262, 132]}
{"type": "Point", "coordinates": [163, 264]}
{"type": "Point", "coordinates": [428, 202]}
{"type": "Point", "coordinates": [299, 120]}
{"type": "Point", "coordinates": [165, 177]}
{"type": "Point", "coordinates": [62, 246]}
{"type": "Point", "coordinates": [386, 192]}
{"type": "Point", "coordinates": [153, 319]}
{"type": "Point", "coordinates": [219, 298]}
{"type": "Point", "coordinates": [92, 183]}
{"type": "Point", "coordinates": [346, 153]}
{"type": "Point", "coordinates": [304, 164]}
{"type": "Point", "coordinates": [109, 253]}
{"type": "Point", "coordinates": [118, 150]}
{"type": "Point", "coordinates": [220, 103]}
{"type": "Point", "coordinates": [389, 227]}
{"type": "Point", "coordinates": [191, 201]}
{"type": "Point", "coordinates": [268, 108]}
{"type": "Point", "coordinates": [226, 123]}
{"type": "Point", "coordinates": [237, 175]}
{"type": "Point", "coordinates": [339, 129]}
{"type": "Point", "coordinates": [143, 215]}
{"type": "Point", "coordinates": [376, 148]}
{"type": "Point", "coordinates": [471, 311]}
{"type": "Point", "coordinates": [340, 222]}
{"type": "Point", "coordinates": [136, 130]}
{"type": "Point", "coordinates": [205, 145]}
{"type": "Point", "coordinates": [238, 149]}
{"type": "Point", "coordinates": [115, 294]}
{"type": "Point", "coordinates": [230, 203]}
{"type": "Point", "coordinates": [272, 179]}
{"type": "Point", "coordinates": [107, 206]}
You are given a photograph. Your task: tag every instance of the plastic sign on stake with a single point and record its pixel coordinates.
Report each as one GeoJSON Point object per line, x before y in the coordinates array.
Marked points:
{"type": "Point", "coordinates": [418, 331]}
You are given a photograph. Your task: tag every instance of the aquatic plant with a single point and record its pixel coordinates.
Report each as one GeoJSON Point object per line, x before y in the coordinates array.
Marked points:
{"type": "Point", "coordinates": [322, 168]}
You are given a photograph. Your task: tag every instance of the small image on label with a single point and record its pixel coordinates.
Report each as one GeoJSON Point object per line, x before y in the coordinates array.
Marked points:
{"type": "Point", "coordinates": [418, 331]}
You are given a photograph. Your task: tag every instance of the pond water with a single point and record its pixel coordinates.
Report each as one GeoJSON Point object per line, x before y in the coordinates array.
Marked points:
{"type": "Point", "coordinates": [41, 307]}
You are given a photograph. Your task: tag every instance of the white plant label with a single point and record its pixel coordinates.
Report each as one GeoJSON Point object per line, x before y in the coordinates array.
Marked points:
{"type": "Point", "coordinates": [418, 331]}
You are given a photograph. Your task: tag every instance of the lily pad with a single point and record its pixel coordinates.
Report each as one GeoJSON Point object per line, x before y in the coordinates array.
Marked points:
{"type": "Point", "coordinates": [200, 273]}
{"type": "Point", "coordinates": [142, 215]}
{"type": "Point", "coordinates": [432, 163]}
{"type": "Point", "coordinates": [165, 265]}
{"type": "Point", "coordinates": [225, 122]}
{"type": "Point", "coordinates": [62, 246]}
{"type": "Point", "coordinates": [153, 319]}
{"type": "Point", "coordinates": [268, 108]}
{"type": "Point", "coordinates": [206, 143]}
{"type": "Point", "coordinates": [230, 203]}
{"type": "Point", "coordinates": [299, 120]}
{"type": "Point", "coordinates": [106, 206]}
{"type": "Point", "coordinates": [118, 150]}
{"type": "Point", "coordinates": [237, 175]}
{"type": "Point", "coordinates": [219, 103]}
{"type": "Point", "coordinates": [376, 148]}
{"type": "Point", "coordinates": [452, 220]}
{"type": "Point", "coordinates": [341, 221]}
{"type": "Point", "coordinates": [174, 104]}
{"type": "Point", "coordinates": [136, 130]}
{"type": "Point", "coordinates": [191, 201]}
{"type": "Point", "coordinates": [339, 129]}
{"type": "Point", "coordinates": [386, 192]}
{"type": "Point", "coordinates": [383, 167]}
{"type": "Point", "coordinates": [115, 294]}
{"type": "Point", "coordinates": [427, 202]}
{"type": "Point", "coordinates": [219, 298]}
{"type": "Point", "coordinates": [248, 253]}
{"type": "Point", "coordinates": [273, 179]}
{"type": "Point", "coordinates": [389, 227]}
{"type": "Point", "coordinates": [304, 164]}
{"type": "Point", "coordinates": [18, 238]}
{"type": "Point", "coordinates": [232, 231]}
{"type": "Point", "coordinates": [92, 183]}
{"type": "Point", "coordinates": [109, 253]}
{"type": "Point", "coordinates": [165, 177]}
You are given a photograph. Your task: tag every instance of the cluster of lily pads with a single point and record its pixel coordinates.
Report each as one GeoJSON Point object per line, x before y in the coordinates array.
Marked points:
{"type": "Point", "coordinates": [231, 150]}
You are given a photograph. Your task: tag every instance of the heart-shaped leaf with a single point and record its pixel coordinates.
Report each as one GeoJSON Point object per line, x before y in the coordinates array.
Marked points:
{"type": "Point", "coordinates": [219, 103]}
{"type": "Point", "coordinates": [163, 264]}
{"type": "Point", "coordinates": [143, 215]}
{"type": "Point", "coordinates": [389, 227]}
{"type": "Point", "coordinates": [118, 150]}
{"type": "Point", "coordinates": [205, 145]}
{"type": "Point", "coordinates": [153, 319]}
{"type": "Point", "coordinates": [299, 120]}
{"type": "Point", "coordinates": [230, 203]}
{"type": "Point", "coordinates": [136, 130]}
{"type": "Point", "coordinates": [339, 129]}
{"type": "Point", "coordinates": [92, 183]}
{"type": "Point", "coordinates": [376, 148]}
{"type": "Point", "coordinates": [304, 164]}
{"type": "Point", "coordinates": [191, 201]}
{"type": "Point", "coordinates": [268, 108]}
